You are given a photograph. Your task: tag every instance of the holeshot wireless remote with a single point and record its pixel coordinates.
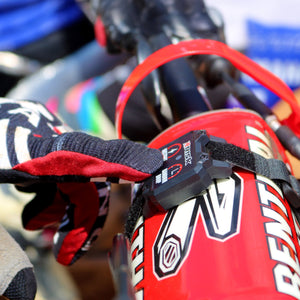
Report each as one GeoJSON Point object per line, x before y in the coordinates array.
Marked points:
{"type": "Point", "coordinates": [187, 170]}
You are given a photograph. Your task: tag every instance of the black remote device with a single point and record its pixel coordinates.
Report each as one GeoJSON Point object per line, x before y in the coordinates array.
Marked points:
{"type": "Point", "coordinates": [187, 170]}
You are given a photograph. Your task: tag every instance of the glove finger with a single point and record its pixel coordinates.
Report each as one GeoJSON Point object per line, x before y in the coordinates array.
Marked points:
{"type": "Point", "coordinates": [78, 155]}
{"type": "Point", "coordinates": [82, 222]}
{"type": "Point", "coordinates": [45, 209]}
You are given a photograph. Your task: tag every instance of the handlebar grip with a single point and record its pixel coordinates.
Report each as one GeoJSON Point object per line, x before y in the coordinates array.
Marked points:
{"type": "Point", "coordinates": [179, 84]}
{"type": "Point", "coordinates": [181, 89]}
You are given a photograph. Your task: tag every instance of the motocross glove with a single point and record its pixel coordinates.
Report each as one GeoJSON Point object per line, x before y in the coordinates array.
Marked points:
{"type": "Point", "coordinates": [64, 169]}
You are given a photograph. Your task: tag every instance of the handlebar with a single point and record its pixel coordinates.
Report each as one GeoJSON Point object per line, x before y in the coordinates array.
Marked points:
{"type": "Point", "coordinates": [147, 26]}
{"type": "Point", "coordinates": [143, 27]}
{"type": "Point", "coordinates": [239, 61]}
{"type": "Point", "coordinates": [179, 83]}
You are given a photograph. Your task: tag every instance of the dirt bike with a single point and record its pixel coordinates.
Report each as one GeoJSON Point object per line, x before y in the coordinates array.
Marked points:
{"type": "Point", "coordinates": [220, 220]}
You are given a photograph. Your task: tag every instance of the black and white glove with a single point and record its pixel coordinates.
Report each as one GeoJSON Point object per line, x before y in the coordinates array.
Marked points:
{"type": "Point", "coordinates": [64, 169]}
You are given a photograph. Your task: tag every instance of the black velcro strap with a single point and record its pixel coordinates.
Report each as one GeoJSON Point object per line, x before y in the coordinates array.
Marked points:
{"type": "Point", "coordinates": [273, 169]}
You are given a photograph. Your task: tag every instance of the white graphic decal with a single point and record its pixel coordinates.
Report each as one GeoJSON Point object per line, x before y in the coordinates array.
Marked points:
{"type": "Point", "coordinates": [4, 161]}
{"type": "Point", "coordinates": [21, 146]}
{"type": "Point", "coordinates": [31, 110]}
{"type": "Point", "coordinates": [280, 241]}
{"type": "Point", "coordinates": [278, 226]}
{"type": "Point", "coordinates": [173, 241]}
{"type": "Point", "coordinates": [221, 206]}
{"type": "Point", "coordinates": [137, 253]}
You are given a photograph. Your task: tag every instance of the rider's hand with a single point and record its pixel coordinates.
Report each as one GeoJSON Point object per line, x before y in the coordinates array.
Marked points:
{"type": "Point", "coordinates": [38, 155]}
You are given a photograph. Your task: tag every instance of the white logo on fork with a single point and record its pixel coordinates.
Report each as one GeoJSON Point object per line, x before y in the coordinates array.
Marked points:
{"type": "Point", "coordinates": [220, 207]}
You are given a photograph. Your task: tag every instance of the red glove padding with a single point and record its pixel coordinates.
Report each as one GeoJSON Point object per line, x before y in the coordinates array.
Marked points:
{"type": "Point", "coordinates": [59, 168]}
{"type": "Point", "coordinates": [80, 209]}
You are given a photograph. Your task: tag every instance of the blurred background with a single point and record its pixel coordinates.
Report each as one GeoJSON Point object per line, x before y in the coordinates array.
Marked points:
{"type": "Point", "coordinates": [48, 53]}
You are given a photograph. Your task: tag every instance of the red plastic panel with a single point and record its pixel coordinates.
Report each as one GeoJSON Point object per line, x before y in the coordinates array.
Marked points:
{"type": "Point", "coordinates": [239, 240]}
